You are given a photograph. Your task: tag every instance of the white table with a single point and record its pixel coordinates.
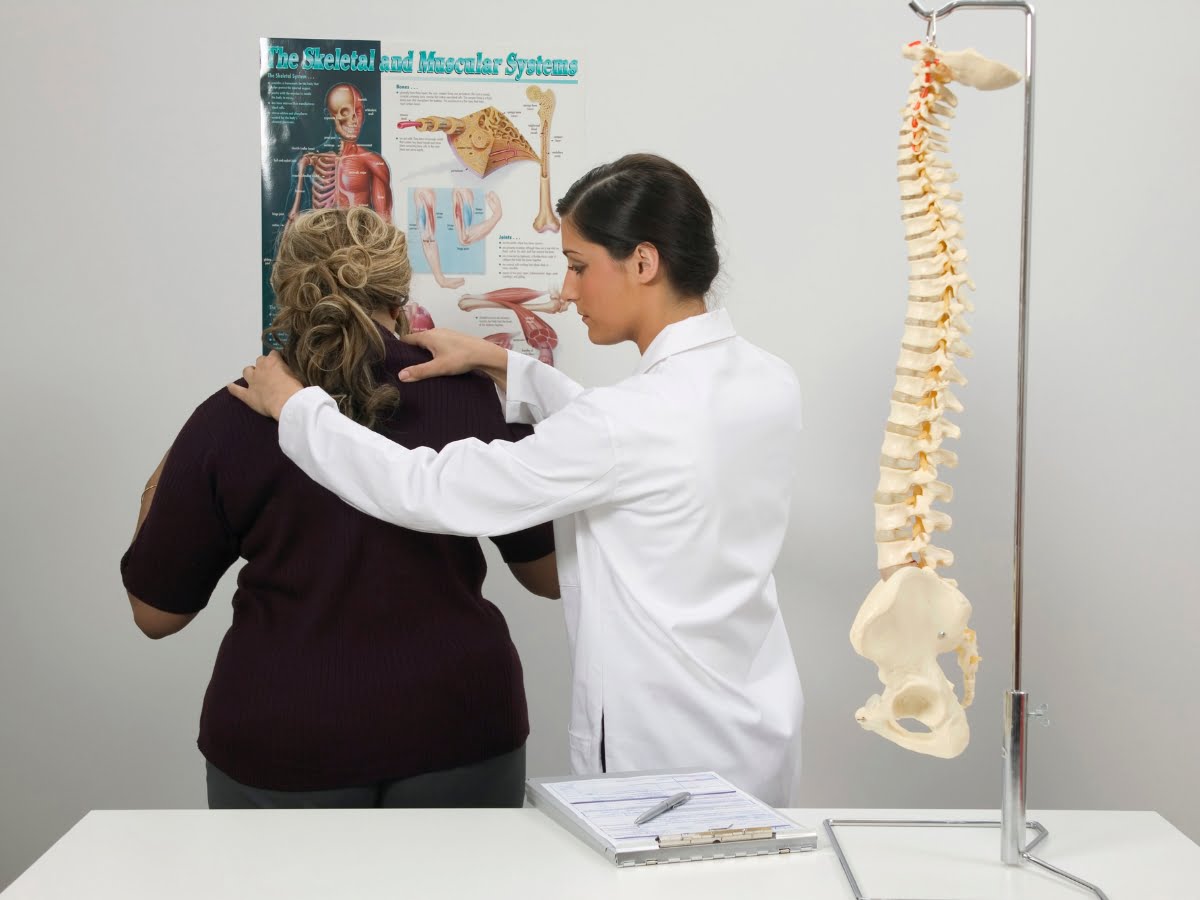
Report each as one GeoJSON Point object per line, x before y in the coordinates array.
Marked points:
{"type": "Point", "coordinates": [519, 853]}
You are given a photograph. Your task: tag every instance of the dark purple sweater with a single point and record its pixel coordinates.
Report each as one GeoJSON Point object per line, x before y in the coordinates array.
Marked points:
{"type": "Point", "coordinates": [359, 651]}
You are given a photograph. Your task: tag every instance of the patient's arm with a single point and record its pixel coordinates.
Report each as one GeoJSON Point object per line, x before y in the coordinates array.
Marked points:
{"type": "Point", "coordinates": [153, 622]}
{"type": "Point", "coordinates": [538, 576]}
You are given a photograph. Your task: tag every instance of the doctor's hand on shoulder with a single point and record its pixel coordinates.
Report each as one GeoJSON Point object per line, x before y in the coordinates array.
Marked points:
{"type": "Point", "coordinates": [453, 354]}
{"type": "Point", "coordinates": [270, 384]}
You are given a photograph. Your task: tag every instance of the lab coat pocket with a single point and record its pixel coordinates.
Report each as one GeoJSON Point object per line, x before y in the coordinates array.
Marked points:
{"type": "Point", "coordinates": [585, 754]}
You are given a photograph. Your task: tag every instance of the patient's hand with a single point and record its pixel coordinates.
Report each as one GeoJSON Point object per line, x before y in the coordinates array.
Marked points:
{"type": "Point", "coordinates": [271, 385]}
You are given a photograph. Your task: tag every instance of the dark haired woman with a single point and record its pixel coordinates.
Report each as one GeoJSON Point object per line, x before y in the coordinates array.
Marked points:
{"type": "Point", "coordinates": [363, 666]}
{"type": "Point", "coordinates": [671, 489]}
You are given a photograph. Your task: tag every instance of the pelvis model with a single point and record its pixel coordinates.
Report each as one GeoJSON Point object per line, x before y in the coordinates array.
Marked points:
{"type": "Point", "coordinates": [914, 615]}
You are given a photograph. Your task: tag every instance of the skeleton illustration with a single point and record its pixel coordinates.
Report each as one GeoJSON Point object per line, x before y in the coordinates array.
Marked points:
{"type": "Point", "coordinates": [538, 334]}
{"type": "Point", "coordinates": [910, 618]}
{"type": "Point", "coordinates": [352, 176]}
{"type": "Point", "coordinates": [546, 219]}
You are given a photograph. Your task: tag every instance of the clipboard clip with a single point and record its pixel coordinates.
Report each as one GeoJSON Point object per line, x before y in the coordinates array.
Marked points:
{"type": "Point", "coordinates": [715, 836]}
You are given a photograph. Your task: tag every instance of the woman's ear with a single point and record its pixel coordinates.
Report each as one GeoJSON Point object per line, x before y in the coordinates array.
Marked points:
{"type": "Point", "coordinates": [645, 262]}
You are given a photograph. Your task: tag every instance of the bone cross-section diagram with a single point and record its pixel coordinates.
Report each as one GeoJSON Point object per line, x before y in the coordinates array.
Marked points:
{"type": "Point", "coordinates": [910, 618]}
{"type": "Point", "coordinates": [487, 140]}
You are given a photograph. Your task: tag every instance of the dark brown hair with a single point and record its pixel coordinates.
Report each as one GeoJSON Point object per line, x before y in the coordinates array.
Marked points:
{"type": "Point", "coordinates": [643, 198]}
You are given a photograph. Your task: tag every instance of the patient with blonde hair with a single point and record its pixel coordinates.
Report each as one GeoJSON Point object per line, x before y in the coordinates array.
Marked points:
{"type": "Point", "coordinates": [363, 666]}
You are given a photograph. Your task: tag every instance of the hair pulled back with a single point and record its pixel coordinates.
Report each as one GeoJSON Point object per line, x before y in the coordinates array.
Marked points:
{"type": "Point", "coordinates": [643, 198]}
{"type": "Point", "coordinates": [333, 269]}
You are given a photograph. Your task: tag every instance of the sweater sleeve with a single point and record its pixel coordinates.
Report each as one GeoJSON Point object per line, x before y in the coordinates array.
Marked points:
{"type": "Point", "coordinates": [185, 544]}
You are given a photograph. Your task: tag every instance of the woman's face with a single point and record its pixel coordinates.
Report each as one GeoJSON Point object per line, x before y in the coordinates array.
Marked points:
{"type": "Point", "coordinates": [603, 289]}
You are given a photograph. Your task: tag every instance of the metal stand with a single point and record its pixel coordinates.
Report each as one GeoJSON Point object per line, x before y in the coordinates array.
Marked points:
{"type": "Point", "coordinates": [1012, 822]}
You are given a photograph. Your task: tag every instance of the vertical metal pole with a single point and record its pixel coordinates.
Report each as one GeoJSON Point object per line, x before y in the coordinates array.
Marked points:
{"type": "Point", "coordinates": [1016, 712]}
{"type": "Point", "coordinates": [1012, 800]}
{"type": "Point", "coordinates": [1012, 806]}
{"type": "Point", "coordinates": [1022, 346]}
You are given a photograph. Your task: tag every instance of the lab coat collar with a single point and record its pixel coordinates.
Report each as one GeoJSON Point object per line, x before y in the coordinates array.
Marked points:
{"type": "Point", "coordinates": [688, 334]}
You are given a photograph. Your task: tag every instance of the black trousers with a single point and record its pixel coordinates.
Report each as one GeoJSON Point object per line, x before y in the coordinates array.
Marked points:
{"type": "Point", "coordinates": [499, 781]}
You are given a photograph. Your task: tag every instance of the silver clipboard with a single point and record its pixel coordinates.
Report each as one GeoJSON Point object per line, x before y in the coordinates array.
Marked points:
{"type": "Point", "coordinates": [716, 844]}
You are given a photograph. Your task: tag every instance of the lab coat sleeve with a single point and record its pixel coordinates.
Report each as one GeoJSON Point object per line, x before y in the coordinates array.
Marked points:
{"type": "Point", "coordinates": [535, 390]}
{"type": "Point", "coordinates": [469, 488]}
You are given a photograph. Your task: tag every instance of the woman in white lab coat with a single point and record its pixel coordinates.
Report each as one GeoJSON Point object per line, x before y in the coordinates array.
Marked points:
{"type": "Point", "coordinates": [670, 490]}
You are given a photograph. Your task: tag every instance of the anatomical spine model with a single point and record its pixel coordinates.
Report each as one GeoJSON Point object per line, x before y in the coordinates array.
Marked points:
{"type": "Point", "coordinates": [910, 618]}
{"type": "Point", "coordinates": [487, 140]}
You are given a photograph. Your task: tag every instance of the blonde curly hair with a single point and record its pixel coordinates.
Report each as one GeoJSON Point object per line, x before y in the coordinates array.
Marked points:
{"type": "Point", "coordinates": [333, 269]}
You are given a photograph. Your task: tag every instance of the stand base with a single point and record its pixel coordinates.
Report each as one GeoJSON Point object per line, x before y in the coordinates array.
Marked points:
{"type": "Point", "coordinates": [1026, 854]}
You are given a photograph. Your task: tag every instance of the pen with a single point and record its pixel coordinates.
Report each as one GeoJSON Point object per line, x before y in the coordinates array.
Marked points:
{"type": "Point", "coordinates": [670, 803]}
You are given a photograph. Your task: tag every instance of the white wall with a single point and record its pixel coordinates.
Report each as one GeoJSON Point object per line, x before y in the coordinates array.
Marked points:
{"type": "Point", "coordinates": [130, 291]}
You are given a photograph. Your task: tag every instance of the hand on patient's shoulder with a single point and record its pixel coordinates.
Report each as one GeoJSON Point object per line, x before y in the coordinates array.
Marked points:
{"type": "Point", "coordinates": [453, 354]}
{"type": "Point", "coordinates": [270, 385]}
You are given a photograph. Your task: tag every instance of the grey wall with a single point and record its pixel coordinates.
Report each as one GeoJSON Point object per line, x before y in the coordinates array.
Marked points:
{"type": "Point", "coordinates": [130, 292]}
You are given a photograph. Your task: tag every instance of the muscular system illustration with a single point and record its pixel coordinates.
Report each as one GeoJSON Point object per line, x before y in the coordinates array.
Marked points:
{"type": "Point", "coordinates": [470, 231]}
{"type": "Point", "coordinates": [352, 176]}
{"type": "Point", "coordinates": [525, 304]}
{"type": "Point", "coordinates": [910, 618]}
{"type": "Point", "coordinates": [425, 200]}
{"type": "Point", "coordinates": [419, 318]}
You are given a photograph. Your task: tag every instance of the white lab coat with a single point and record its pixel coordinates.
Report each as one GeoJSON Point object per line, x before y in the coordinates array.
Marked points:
{"type": "Point", "coordinates": [670, 493]}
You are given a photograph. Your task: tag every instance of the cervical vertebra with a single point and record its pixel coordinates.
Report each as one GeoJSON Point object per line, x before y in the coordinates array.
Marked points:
{"type": "Point", "coordinates": [916, 614]}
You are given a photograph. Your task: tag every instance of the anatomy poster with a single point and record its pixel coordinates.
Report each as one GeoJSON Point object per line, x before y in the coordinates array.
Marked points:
{"type": "Point", "coordinates": [465, 147]}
